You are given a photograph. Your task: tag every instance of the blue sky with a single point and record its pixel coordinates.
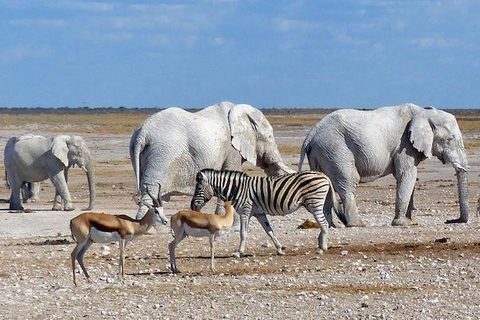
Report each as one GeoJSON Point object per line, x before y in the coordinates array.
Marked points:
{"type": "Point", "coordinates": [296, 54]}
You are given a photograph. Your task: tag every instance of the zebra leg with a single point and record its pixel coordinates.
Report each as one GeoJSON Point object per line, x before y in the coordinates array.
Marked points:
{"type": "Point", "coordinates": [268, 229]}
{"type": "Point", "coordinates": [317, 211]}
{"type": "Point", "coordinates": [244, 217]}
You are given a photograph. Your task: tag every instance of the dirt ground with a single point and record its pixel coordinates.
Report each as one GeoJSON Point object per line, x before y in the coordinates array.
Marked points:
{"type": "Point", "coordinates": [429, 271]}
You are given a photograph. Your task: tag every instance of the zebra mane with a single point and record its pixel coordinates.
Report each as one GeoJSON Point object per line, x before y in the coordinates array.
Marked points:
{"type": "Point", "coordinates": [212, 172]}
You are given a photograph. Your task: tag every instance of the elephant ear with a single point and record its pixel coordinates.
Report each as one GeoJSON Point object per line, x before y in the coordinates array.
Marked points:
{"type": "Point", "coordinates": [60, 148]}
{"type": "Point", "coordinates": [421, 134]}
{"type": "Point", "coordinates": [247, 125]}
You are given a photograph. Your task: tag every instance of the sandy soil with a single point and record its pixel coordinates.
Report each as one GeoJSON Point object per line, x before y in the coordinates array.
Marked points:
{"type": "Point", "coordinates": [429, 271]}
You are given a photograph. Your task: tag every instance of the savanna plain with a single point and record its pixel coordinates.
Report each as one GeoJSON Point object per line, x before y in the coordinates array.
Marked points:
{"type": "Point", "coordinates": [428, 271]}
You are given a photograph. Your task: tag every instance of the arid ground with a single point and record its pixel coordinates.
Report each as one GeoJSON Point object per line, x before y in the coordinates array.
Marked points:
{"type": "Point", "coordinates": [429, 271]}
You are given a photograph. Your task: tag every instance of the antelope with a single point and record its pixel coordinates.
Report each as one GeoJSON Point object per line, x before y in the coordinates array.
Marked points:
{"type": "Point", "coordinates": [90, 227]}
{"type": "Point", "coordinates": [198, 224]}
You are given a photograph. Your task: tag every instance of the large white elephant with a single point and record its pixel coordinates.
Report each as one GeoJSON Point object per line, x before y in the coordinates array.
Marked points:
{"type": "Point", "coordinates": [31, 158]}
{"type": "Point", "coordinates": [170, 147]}
{"type": "Point", "coordinates": [353, 146]}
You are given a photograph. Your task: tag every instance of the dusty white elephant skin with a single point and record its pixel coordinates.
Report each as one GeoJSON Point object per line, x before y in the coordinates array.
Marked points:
{"type": "Point", "coordinates": [353, 146]}
{"type": "Point", "coordinates": [171, 146]}
{"type": "Point", "coordinates": [29, 159]}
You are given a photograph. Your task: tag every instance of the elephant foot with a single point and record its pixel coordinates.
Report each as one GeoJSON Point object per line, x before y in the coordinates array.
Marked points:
{"type": "Point", "coordinates": [238, 254]}
{"type": "Point", "coordinates": [355, 222]}
{"type": "Point", "coordinates": [15, 208]}
{"type": "Point", "coordinates": [280, 252]}
{"type": "Point", "coordinates": [404, 222]}
{"type": "Point", "coordinates": [337, 223]}
{"type": "Point", "coordinates": [320, 251]}
{"type": "Point", "coordinates": [459, 220]}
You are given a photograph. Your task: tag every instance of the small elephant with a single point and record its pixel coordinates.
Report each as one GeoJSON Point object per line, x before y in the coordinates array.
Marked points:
{"type": "Point", "coordinates": [353, 146]}
{"type": "Point", "coordinates": [170, 147]}
{"type": "Point", "coordinates": [31, 158]}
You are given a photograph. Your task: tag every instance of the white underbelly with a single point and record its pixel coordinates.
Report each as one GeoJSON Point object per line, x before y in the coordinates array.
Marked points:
{"type": "Point", "coordinates": [106, 237]}
{"type": "Point", "coordinates": [196, 232]}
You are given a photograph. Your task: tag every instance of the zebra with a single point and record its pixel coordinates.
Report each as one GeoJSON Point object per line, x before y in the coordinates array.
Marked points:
{"type": "Point", "coordinates": [259, 196]}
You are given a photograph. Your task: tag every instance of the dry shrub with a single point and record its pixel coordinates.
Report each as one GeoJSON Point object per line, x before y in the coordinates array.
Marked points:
{"type": "Point", "coordinates": [308, 224]}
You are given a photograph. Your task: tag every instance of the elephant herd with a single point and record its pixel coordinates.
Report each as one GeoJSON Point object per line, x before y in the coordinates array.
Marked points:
{"type": "Point", "coordinates": [170, 147]}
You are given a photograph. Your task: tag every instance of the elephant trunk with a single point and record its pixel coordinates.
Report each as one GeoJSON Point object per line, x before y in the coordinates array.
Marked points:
{"type": "Point", "coordinates": [462, 181]}
{"type": "Point", "coordinates": [89, 170]}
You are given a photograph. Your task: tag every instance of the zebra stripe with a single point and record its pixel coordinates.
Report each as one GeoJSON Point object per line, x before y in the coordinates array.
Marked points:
{"type": "Point", "coordinates": [259, 196]}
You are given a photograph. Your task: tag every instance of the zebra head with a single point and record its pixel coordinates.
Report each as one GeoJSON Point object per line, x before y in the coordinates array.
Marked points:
{"type": "Point", "coordinates": [203, 192]}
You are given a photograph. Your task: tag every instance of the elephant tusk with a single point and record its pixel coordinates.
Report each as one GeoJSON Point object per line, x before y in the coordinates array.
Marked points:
{"type": "Point", "coordinates": [84, 169]}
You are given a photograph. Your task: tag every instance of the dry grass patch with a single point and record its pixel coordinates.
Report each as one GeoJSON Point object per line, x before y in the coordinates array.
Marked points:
{"type": "Point", "coordinates": [290, 149]}
{"type": "Point", "coordinates": [293, 121]}
{"type": "Point", "coordinates": [469, 124]}
{"type": "Point", "coordinates": [108, 123]}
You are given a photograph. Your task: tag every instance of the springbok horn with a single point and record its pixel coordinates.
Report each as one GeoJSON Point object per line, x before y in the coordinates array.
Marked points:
{"type": "Point", "coordinates": [155, 201]}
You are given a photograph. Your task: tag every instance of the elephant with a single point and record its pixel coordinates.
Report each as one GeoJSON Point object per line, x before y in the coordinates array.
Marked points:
{"type": "Point", "coordinates": [30, 158]}
{"type": "Point", "coordinates": [170, 147]}
{"type": "Point", "coordinates": [357, 146]}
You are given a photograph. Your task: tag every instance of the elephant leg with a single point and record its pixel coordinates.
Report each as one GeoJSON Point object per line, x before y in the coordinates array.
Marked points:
{"type": "Point", "coordinates": [35, 191]}
{"type": "Point", "coordinates": [411, 206]}
{"type": "Point", "coordinates": [345, 180]}
{"type": "Point", "coordinates": [350, 211]}
{"type": "Point", "coordinates": [61, 188]}
{"type": "Point", "coordinates": [268, 229]}
{"type": "Point", "coordinates": [57, 201]}
{"type": "Point", "coordinates": [330, 214]}
{"type": "Point", "coordinates": [403, 205]}
{"type": "Point", "coordinates": [412, 203]}
{"type": "Point", "coordinates": [26, 194]}
{"type": "Point", "coordinates": [31, 191]}
{"type": "Point", "coordinates": [15, 201]}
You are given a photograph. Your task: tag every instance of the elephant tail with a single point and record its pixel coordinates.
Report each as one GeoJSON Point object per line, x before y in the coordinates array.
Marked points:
{"type": "Point", "coordinates": [6, 180]}
{"type": "Point", "coordinates": [137, 145]}
{"type": "Point", "coordinates": [302, 157]}
{"type": "Point", "coordinates": [305, 148]}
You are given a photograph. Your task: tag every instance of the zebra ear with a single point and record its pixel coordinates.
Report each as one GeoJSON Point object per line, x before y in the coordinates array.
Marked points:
{"type": "Point", "coordinates": [201, 176]}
